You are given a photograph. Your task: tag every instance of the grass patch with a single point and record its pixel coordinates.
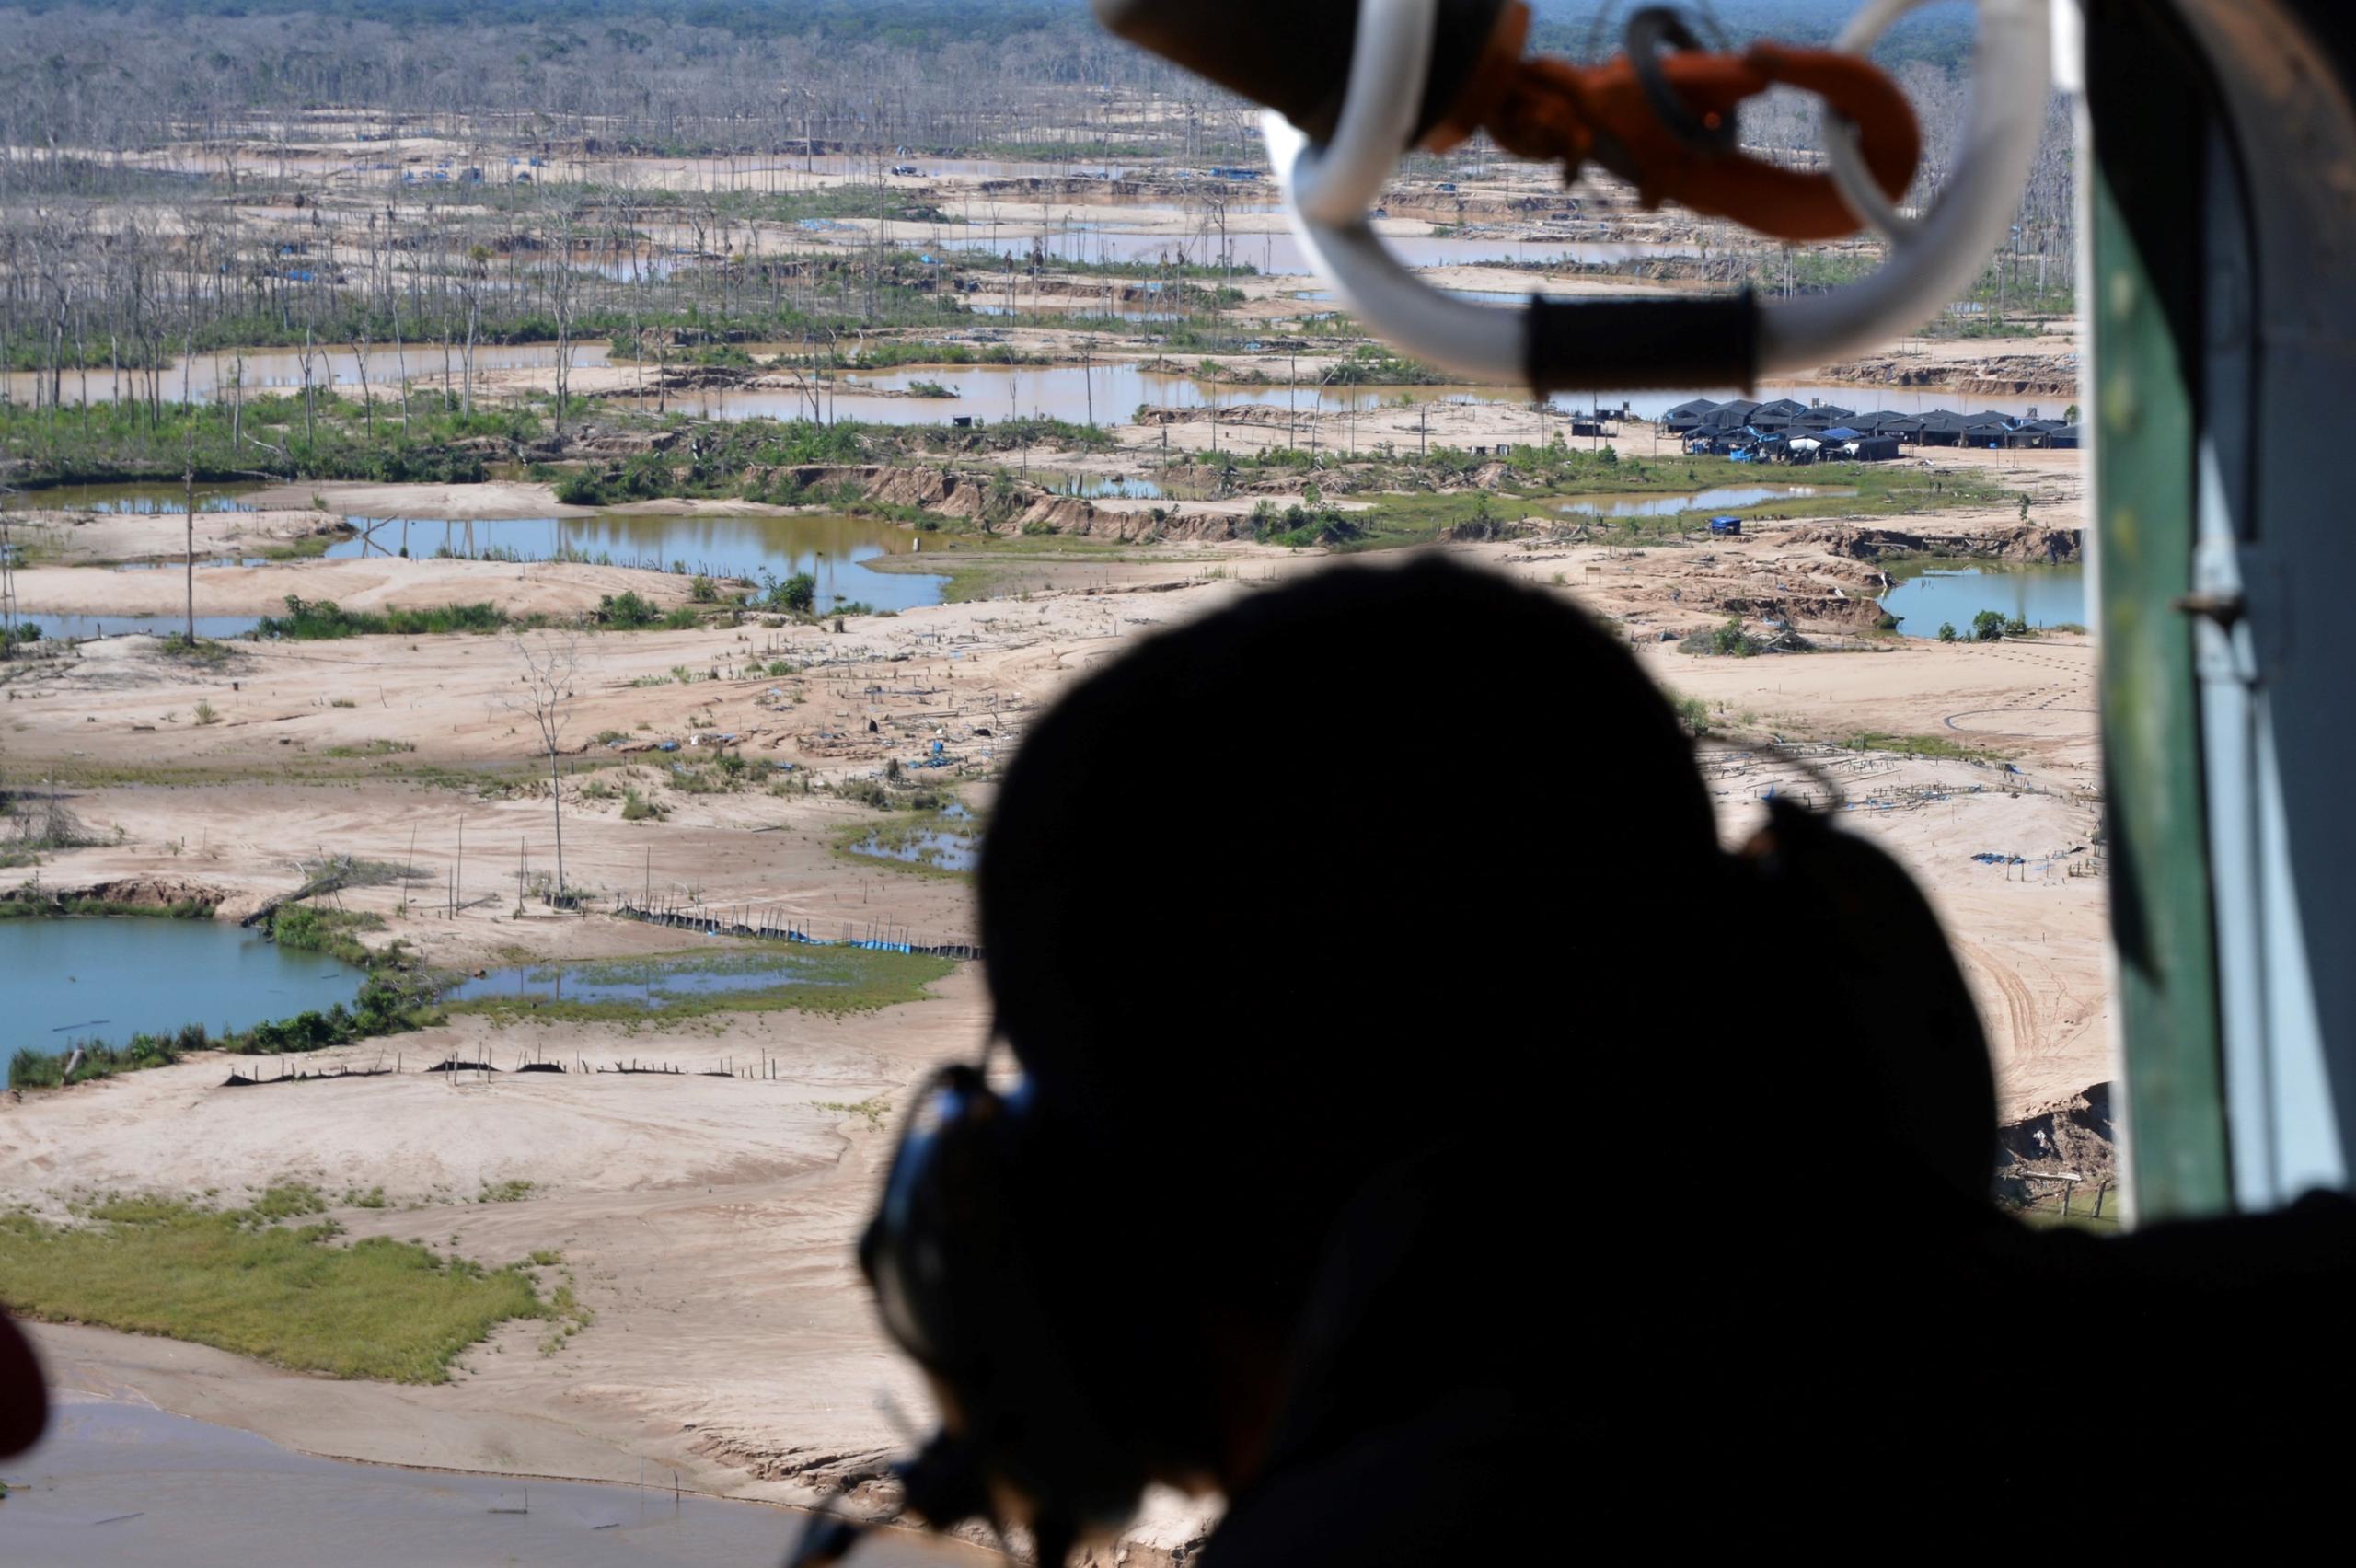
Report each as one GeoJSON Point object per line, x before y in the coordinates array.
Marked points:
{"type": "Point", "coordinates": [240, 1281]}
{"type": "Point", "coordinates": [203, 652]}
{"type": "Point", "coordinates": [33, 1068]}
{"type": "Point", "coordinates": [874, 844]}
{"type": "Point", "coordinates": [30, 903]}
{"type": "Point", "coordinates": [896, 794]}
{"type": "Point", "coordinates": [1937, 746]}
{"type": "Point", "coordinates": [873, 1109]}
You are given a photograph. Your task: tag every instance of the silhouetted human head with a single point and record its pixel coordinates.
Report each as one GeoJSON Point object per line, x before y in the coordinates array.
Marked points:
{"type": "Point", "coordinates": [1288, 892]}
{"type": "Point", "coordinates": [1414, 819]}
{"type": "Point", "coordinates": [1369, 951]}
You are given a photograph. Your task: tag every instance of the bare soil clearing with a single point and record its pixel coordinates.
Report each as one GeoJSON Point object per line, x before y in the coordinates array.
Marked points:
{"type": "Point", "coordinates": [378, 582]}
{"type": "Point", "coordinates": [709, 1219]}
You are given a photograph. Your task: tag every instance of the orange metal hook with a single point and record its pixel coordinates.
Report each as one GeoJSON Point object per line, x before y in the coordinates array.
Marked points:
{"type": "Point", "coordinates": [1552, 109]}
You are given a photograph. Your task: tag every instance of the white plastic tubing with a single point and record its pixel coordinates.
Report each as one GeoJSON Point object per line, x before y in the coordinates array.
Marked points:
{"type": "Point", "coordinates": [1328, 188]}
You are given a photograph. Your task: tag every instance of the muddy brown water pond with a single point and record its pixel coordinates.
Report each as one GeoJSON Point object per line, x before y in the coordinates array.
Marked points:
{"type": "Point", "coordinates": [145, 498]}
{"type": "Point", "coordinates": [835, 550]}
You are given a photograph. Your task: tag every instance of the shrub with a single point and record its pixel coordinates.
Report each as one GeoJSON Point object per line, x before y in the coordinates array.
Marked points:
{"type": "Point", "coordinates": [324, 619]}
{"type": "Point", "coordinates": [1988, 626]}
{"type": "Point", "coordinates": [582, 489]}
{"type": "Point", "coordinates": [627, 610]}
{"type": "Point", "coordinates": [1729, 641]}
{"type": "Point", "coordinates": [798, 593]}
{"type": "Point", "coordinates": [1946, 631]}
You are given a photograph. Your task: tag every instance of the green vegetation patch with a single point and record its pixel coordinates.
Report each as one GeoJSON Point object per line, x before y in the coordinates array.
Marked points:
{"type": "Point", "coordinates": [883, 844]}
{"type": "Point", "coordinates": [239, 1280]}
{"type": "Point", "coordinates": [28, 901]}
{"type": "Point", "coordinates": [324, 619]}
{"type": "Point", "coordinates": [1413, 505]}
{"type": "Point", "coordinates": [335, 932]}
{"type": "Point", "coordinates": [801, 977]}
{"type": "Point", "coordinates": [1939, 746]}
{"type": "Point", "coordinates": [872, 1109]}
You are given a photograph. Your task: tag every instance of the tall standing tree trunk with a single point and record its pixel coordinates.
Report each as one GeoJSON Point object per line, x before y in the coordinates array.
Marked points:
{"type": "Point", "coordinates": [401, 364]}
{"type": "Point", "coordinates": [367, 399]}
{"type": "Point", "coordinates": [188, 482]}
{"type": "Point", "coordinates": [474, 321]}
{"type": "Point", "coordinates": [310, 419]}
{"type": "Point", "coordinates": [556, 801]}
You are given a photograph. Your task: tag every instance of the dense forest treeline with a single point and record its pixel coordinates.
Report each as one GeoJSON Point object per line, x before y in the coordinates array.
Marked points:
{"type": "Point", "coordinates": [685, 75]}
{"type": "Point", "coordinates": [182, 175]}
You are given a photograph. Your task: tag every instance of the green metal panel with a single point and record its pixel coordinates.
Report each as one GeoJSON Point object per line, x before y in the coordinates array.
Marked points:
{"type": "Point", "coordinates": [2147, 273]}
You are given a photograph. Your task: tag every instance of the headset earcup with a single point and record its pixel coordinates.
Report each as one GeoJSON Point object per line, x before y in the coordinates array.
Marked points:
{"type": "Point", "coordinates": [1879, 973]}
{"type": "Point", "coordinates": [972, 1260]}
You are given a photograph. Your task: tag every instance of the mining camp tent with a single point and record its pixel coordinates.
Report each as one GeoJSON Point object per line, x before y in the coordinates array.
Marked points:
{"type": "Point", "coordinates": [1687, 415]}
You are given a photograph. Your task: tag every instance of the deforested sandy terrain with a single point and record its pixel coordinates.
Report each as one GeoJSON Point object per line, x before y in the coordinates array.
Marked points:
{"type": "Point", "coordinates": [1013, 370]}
{"type": "Point", "coordinates": [377, 583]}
{"type": "Point", "coordinates": [709, 1220]}
{"type": "Point", "coordinates": [84, 537]}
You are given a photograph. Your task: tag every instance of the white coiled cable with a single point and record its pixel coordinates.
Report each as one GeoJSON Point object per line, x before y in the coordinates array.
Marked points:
{"type": "Point", "coordinates": [1328, 188]}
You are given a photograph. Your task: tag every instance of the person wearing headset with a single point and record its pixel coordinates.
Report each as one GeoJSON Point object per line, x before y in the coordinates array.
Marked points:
{"type": "Point", "coordinates": [1418, 1125]}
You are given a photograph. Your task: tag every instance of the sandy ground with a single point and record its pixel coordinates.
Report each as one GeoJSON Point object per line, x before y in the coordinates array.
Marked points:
{"type": "Point", "coordinates": [376, 584]}
{"type": "Point", "coordinates": [85, 538]}
{"type": "Point", "coordinates": [494, 499]}
{"type": "Point", "coordinates": [708, 1220]}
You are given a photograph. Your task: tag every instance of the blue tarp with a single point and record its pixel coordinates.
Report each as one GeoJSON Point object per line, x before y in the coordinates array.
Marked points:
{"type": "Point", "coordinates": [1842, 432]}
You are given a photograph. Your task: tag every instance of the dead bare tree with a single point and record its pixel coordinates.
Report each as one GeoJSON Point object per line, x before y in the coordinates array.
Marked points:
{"type": "Point", "coordinates": [564, 299]}
{"type": "Point", "coordinates": [550, 664]}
